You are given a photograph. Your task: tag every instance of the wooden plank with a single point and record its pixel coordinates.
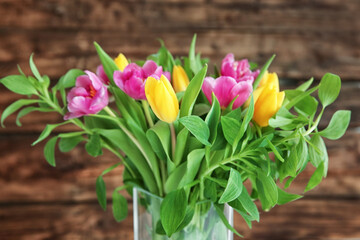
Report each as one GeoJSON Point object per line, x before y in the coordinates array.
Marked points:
{"type": "Point", "coordinates": [303, 219]}
{"type": "Point", "coordinates": [26, 177]}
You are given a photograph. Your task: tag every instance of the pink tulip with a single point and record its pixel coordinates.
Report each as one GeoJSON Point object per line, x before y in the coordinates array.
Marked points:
{"type": "Point", "coordinates": [226, 89]}
{"type": "Point", "coordinates": [102, 75]}
{"type": "Point", "coordinates": [239, 70]}
{"type": "Point", "coordinates": [88, 96]}
{"type": "Point", "coordinates": [132, 79]}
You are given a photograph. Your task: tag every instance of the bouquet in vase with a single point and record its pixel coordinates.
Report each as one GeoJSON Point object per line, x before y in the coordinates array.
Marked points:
{"type": "Point", "coordinates": [189, 141]}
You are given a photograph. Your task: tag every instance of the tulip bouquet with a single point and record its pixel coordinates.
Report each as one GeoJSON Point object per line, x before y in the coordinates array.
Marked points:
{"type": "Point", "coordinates": [186, 136]}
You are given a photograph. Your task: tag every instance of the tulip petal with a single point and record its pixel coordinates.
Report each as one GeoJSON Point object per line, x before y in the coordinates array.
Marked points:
{"type": "Point", "coordinates": [207, 88]}
{"type": "Point", "coordinates": [242, 91]}
{"type": "Point", "coordinates": [121, 62]}
{"type": "Point", "coordinates": [222, 90]}
{"type": "Point", "coordinates": [265, 107]}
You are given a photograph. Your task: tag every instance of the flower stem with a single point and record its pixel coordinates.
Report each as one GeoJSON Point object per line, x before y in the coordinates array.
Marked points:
{"type": "Point", "coordinates": [145, 106]}
{"type": "Point", "coordinates": [173, 139]}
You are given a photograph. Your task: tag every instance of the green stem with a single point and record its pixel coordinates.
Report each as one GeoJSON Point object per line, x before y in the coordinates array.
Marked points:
{"type": "Point", "coordinates": [310, 130]}
{"type": "Point", "coordinates": [145, 106]}
{"type": "Point", "coordinates": [163, 177]}
{"type": "Point", "coordinates": [173, 140]}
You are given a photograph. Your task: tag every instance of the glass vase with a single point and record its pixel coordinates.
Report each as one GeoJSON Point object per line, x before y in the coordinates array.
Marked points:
{"type": "Point", "coordinates": [205, 225]}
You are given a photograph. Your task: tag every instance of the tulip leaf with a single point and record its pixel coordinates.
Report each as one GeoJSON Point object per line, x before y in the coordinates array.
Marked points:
{"type": "Point", "coordinates": [101, 192]}
{"type": "Point", "coordinates": [181, 140]}
{"type": "Point", "coordinates": [120, 140]}
{"type": "Point", "coordinates": [49, 151]}
{"type": "Point", "coordinates": [192, 93]}
{"type": "Point", "coordinates": [159, 138]}
{"type": "Point", "coordinates": [119, 206]}
{"type": "Point", "coordinates": [107, 62]}
{"type": "Point", "coordinates": [233, 188]}
{"type": "Point", "coordinates": [285, 197]}
{"type": "Point", "coordinates": [303, 87]}
{"type": "Point", "coordinates": [14, 107]}
{"type": "Point", "coordinates": [249, 205]}
{"type": "Point", "coordinates": [197, 127]}
{"type": "Point", "coordinates": [18, 84]}
{"type": "Point", "coordinates": [329, 88]}
{"type": "Point", "coordinates": [338, 125]}
{"type": "Point", "coordinates": [316, 177]}
{"type": "Point", "coordinates": [173, 210]}
{"type": "Point", "coordinates": [213, 117]}
{"type": "Point", "coordinates": [262, 71]}
{"type": "Point", "coordinates": [195, 64]}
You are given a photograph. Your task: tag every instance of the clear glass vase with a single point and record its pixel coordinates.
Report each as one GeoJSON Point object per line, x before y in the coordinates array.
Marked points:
{"type": "Point", "coordinates": [205, 225]}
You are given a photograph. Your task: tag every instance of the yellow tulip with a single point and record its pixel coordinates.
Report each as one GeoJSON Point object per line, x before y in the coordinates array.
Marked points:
{"type": "Point", "coordinates": [180, 79]}
{"type": "Point", "coordinates": [121, 62]}
{"type": "Point", "coordinates": [267, 99]}
{"type": "Point", "coordinates": [162, 98]}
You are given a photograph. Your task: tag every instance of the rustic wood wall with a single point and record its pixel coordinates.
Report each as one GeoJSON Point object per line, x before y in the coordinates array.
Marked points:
{"type": "Point", "coordinates": [310, 38]}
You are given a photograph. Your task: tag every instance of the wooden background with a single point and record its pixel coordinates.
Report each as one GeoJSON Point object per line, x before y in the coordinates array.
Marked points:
{"type": "Point", "coordinates": [310, 38]}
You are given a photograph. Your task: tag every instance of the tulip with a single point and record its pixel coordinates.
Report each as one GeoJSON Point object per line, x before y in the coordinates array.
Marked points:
{"type": "Point", "coordinates": [121, 62]}
{"type": "Point", "coordinates": [226, 89]}
{"type": "Point", "coordinates": [102, 75]}
{"type": "Point", "coordinates": [180, 79]}
{"type": "Point", "coordinates": [267, 99]}
{"type": "Point", "coordinates": [132, 79]}
{"type": "Point", "coordinates": [162, 98]}
{"type": "Point", "coordinates": [89, 96]}
{"type": "Point", "coordinates": [239, 70]}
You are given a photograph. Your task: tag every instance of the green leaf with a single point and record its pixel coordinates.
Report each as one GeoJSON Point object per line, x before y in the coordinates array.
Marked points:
{"type": "Point", "coordinates": [159, 138]}
{"type": "Point", "coordinates": [18, 84]}
{"type": "Point", "coordinates": [316, 177]}
{"type": "Point", "coordinates": [201, 109]}
{"type": "Point", "coordinates": [107, 62]}
{"type": "Point", "coordinates": [119, 206]}
{"type": "Point", "coordinates": [233, 188]}
{"type": "Point", "coordinates": [34, 69]}
{"type": "Point", "coordinates": [67, 144]}
{"type": "Point", "coordinates": [46, 132]}
{"type": "Point", "coordinates": [28, 110]}
{"type": "Point", "coordinates": [249, 205]}
{"type": "Point", "coordinates": [197, 127]}
{"type": "Point", "coordinates": [14, 107]}
{"type": "Point", "coordinates": [303, 87]}
{"type": "Point", "coordinates": [262, 72]}
{"type": "Point", "coordinates": [181, 140]}
{"type": "Point", "coordinates": [220, 212]}
{"type": "Point", "coordinates": [338, 125]}
{"type": "Point", "coordinates": [192, 93]}
{"type": "Point", "coordinates": [173, 210]}
{"type": "Point", "coordinates": [245, 123]}
{"type": "Point", "coordinates": [49, 151]}
{"type": "Point", "coordinates": [93, 147]}
{"type": "Point", "coordinates": [230, 127]}
{"type": "Point", "coordinates": [211, 192]}
{"type": "Point", "coordinates": [69, 78]}
{"type": "Point", "coordinates": [284, 197]}
{"type": "Point", "coordinates": [329, 88]}
{"type": "Point", "coordinates": [101, 192]}
{"type": "Point", "coordinates": [213, 117]}
{"type": "Point", "coordinates": [318, 153]}
{"type": "Point", "coordinates": [194, 64]}
{"type": "Point", "coordinates": [267, 190]}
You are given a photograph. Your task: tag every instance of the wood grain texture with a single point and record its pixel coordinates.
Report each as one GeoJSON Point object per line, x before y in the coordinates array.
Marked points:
{"type": "Point", "coordinates": [310, 38]}
{"type": "Point", "coordinates": [303, 219]}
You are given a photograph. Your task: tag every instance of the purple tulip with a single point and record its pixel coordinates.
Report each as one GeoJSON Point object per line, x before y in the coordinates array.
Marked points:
{"type": "Point", "coordinates": [226, 89]}
{"type": "Point", "coordinates": [132, 79]}
{"type": "Point", "coordinates": [239, 70]}
{"type": "Point", "coordinates": [102, 75]}
{"type": "Point", "coordinates": [88, 96]}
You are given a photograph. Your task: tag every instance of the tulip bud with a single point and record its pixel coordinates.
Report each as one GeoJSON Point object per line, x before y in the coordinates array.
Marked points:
{"type": "Point", "coordinates": [267, 99]}
{"type": "Point", "coordinates": [121, 62]}
{"type": "Point", "coordinates": [180, 79]}
{"type": "Point", "coordinates": [162, 98]}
